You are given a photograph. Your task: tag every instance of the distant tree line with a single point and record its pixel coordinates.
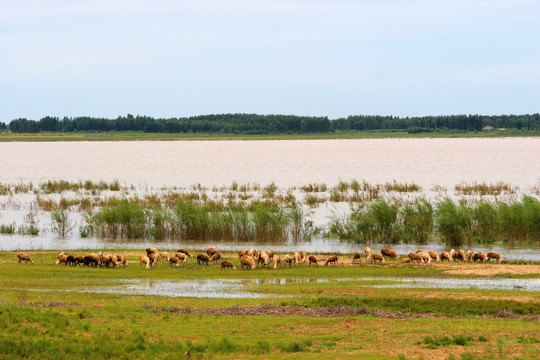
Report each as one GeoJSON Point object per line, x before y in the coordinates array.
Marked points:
{"type": "Point", "coordinates": [271, 124]}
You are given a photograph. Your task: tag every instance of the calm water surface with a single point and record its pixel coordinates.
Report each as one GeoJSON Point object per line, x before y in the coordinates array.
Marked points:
{"type": "Point", "coordinates": [427, 162]}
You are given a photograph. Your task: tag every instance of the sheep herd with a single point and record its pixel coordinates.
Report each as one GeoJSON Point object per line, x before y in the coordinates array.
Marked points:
{"type": "Point", "coordinates": [250, 259]}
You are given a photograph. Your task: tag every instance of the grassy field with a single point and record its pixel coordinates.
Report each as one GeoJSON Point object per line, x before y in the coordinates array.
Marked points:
{"type": "Point", "coordinates": [53, 311]}
{"type": "Point", "coordinates": [137, 136]}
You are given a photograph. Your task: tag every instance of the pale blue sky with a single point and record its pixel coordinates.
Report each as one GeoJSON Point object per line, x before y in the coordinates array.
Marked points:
{"type": "Point", "coordinates": [166, 58]}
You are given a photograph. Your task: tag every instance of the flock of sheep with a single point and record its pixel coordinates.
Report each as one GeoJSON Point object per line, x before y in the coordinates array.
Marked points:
{"type": "Point", "coordinates": [249, 259]}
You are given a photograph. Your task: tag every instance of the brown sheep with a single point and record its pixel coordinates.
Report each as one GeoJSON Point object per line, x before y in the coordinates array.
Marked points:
{"type": "Point", "coordinates": [434, 256]}
{"type": "Point", "coordinates": [150, 250]}
{"type": "Point", "coordinates": [368, 253]}
{"type": "Point", "coordinates": [270, 254]}
{"type": "Point", "coordinates": [173, 260]}
{"type": "Point", "coordinates": [425, 256]}
{"type": "Point", "coordinates": [92, 259]}
{"type": "Point", "coordinates": [248, 262]}
{"type": "Point", "coordinates": [121, 260]}
{"type": "Point", "coordinates": [313, 260]}
{"type": "Point", "coordinates": [62, 258]}
{"type": "Point", "coordinates": [216, 257]}
{"type": "Point", "coordinates": [265, 259]}
{"type": "Point", "coordinates": [331, 260]}
{"type": "Point", "coordinates": [356, 257]}
{"type": "Point", "coordinates": [453, 254]}
{"type": "Point", "coordinates": [405, 260]}
{"type": "Point", "coordinates": [377, 257]}
{"type": "Point", "coordinates": [461, 255]}
{"type": "Point", "coordinates": [184, 251]}
{"type": "Point", "coordinates": [24, 257]}
{"type": "Point", "coordinates": [480, 256]}
{"type": "Point", "coordinates": [181, 256]}
{"type": "Point", "coordinates": [277, 261]}
{"type": "Point", "coordinates": [494, 255]}
{"type": "Point", "coordinates": [241, 253]}
{"type": "Point", "coordinates": [154, 257]}
{"type": "Point", "coordinates": [106, 259]}
{"type": "Point", "coordinates": [164, 255]}
{"type": "Point", "coordinates": [226, 264]}
{"type": "Point", "coordinates": [203, 258]}
{"type": "Point", "coordinates": [259, 257]}
{"type": "Point", "coordinates": [211, 251]}
{"type": "Point", "coordinates": [297, 257]}
{"type": "Point", "coordinates": [289, 260]}
{"type": "Point", "coordinates": [251, 252]}
{"type": "Point", "coordinates": [79, 260]}
{"type": "Point", "coordinates": [470, 255]}
{"type": "Point", "coordinates": [415, 257]}
{"type": "Point", "coordinates": [445, 256]}
{"type": "Point", "coordinates": [390, 253]}
{"type": "Point", "coordinates": [303, 255]}
{"type": "Point", "coordinates": [144, 260]}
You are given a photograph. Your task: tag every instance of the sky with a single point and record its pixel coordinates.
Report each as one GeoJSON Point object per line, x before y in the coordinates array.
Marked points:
{"type": "Point", "coordinates": [167, 58]}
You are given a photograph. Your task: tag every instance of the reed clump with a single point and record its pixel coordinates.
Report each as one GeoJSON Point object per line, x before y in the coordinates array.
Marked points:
{"type": "Point", "coordinates": [483, 189]}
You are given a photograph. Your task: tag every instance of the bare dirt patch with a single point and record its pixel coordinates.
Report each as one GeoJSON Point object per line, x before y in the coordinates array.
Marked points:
{"type": "Point", "coordinates": [489, 269]}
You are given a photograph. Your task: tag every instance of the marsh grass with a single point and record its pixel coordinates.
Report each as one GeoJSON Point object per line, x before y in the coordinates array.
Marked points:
{"type": "Point", "coordinates": [484, 189]}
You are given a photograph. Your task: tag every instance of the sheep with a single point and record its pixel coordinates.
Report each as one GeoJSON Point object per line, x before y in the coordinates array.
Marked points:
{"type": "Point", "coordinates": [24, 257]}
{"type": "Point", "coordinates": [203, 258]}
{"type": "Point", "coordinates": [226, 264]}
{"type": "Point", "coordinates": [164, 255]}
{"type": "Point", "coordinates": [480, 256]}
{"type": "Point", "coordinates": [356, 257]}
{"type": "Point", "coordinates": [251, 252]}
{"type": "Point", "coordinates": [181, 256]}
{"type": "Point", "coordinates": [297, 257]}
{"type": "Point", "coordinates": [121, 260]}
{"type": "Point", "coordinates": [470, 255]}
{"type": "Point", "coordinates": [248, 262]}
{"type": "Point", "coordinates": [216, 257]}
{"type": "Point", "coordinates": [377, 257]}
{"type": "Point", "coordinates": [61, 258]}
{"type": "Point", "coordinates": [107, 260]}
{"type": "Point", "coordinates": [241, 253]}
{"type": "Point", "coordinates": [303, 255]}
{"type": "Point", "coordinates": [92, 259]}
{"type": "Point", "coordinates": [461, 255]}
{"type": "Point", "coordinates": [453, 254]}
{"type": "Point", "coordinates": [79, 260]}
{"type": "Point", "coordinates": [415, 257]}
{"type": "Point", "coordinates": [277, 261]}
{"type": "Point", "coordinates": [445, 256]}
{"type": "Point", "coordinates": [289, 260]}
{"type": "Point", "coordinates": [211, 251]}
{"type": "Point", "coordinates": [434, 256]}
{"type": "Point", "coordinates": [368, 253]}
{"type": "Point", "coordinates": [270, 254]}
{"type": "Point", "coordinates": [265, 259]}
{"type": "Point", "coordinates": [494, 255]}
{"type": "Point", "coordinates": [183, 251]}
{"type": "Point", "coordinates": [425, 256]}
{"type": "Point", "coordinates": [259, 257]}
{"type": "Point", "coordinates": [405, 260]}
{"type": "Point", "coordinates": [331, 260]}
{"type": "Point", "coordinates": [144, 260]}
{"type": "Point", "coordinates": [173, 260]}
{"type": "Point", "coordinates": [150, 250]}
{"type": "Point", "coordinates": [390, 253]}
{"type": "Point", "coordinates": [154, 257]}
{"type": "Point", "coordinates": [313, 260]}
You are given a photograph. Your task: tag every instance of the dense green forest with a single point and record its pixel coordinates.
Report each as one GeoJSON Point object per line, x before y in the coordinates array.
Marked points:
{"type": "Point", "coordinates": [272, 124]}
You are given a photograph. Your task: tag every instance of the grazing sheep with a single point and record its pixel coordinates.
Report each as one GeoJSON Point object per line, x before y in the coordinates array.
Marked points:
{"type": "Point", "coordinates": [24, 257]}
{"type": "Point", "coordinates": [79, 260]}
{"type": "Point", "coordinates": [259, 257]}
{"type": "Point", "coordinates": [150, 250]}
{"type": "Point", "coordinates": [303, 255]}
{"type": "Point", "coordinates": [368, 253]}
{"type": "Point", "coordinates": [405, 260]}
{"type": "Point", "coordinates": [154, 257]}
{"type": "Point", "coordinates": [241, 253]}
{"type": "Point", "coordinates": [203, 258]}
{"type": "Point", "coordinates": [434, 256]}
{"type": "Point", "coordinates": [313, 260]}
{"type": "Point", "coordinates": [277, 261]}
{"type": "Point", "coordinates": [62, 258]}
{"type": "Point", "coordinates": [297, 257]}
{"type": "Point", "coordinates": [461, 255]}
{"type": "Point", "coordinates": [216, 257]}
{"type": "Point", "coordinates": [356, 257]}
{"type": "Point", "coordinates": [248, 262]}
{"type": "Point", "coordinates": [331, 260]}
{"type": "Point", "coordinates": [211, 251]}
{"type": "Point", "coordinates": [494, 255]}
{"type": "Point", "coordinates": [377, 257]}
{"type": "Point", "coordinates": [425, 256]}
{"type": "Point", "coordinates": [270, 254]}
{"type": "Point", "coordinates": [173, 260]}
{"type": "Point", "coordinates": [226, 264]}
{"type": "Point", "coordinates": [265, 259]}
{"type": "Point", "coordinates": [164, 255]}
{"type": "Point", "coordinates": [445, 256]}
{"type": "Point", "coordinates": [92, 259]}
{"type": "Point", "coordinates": [251, 252]}
{"type": "Point", "coordinates": [181, 256]}
{"type": "Point", "coordinates": [390, 253]}
{"type": "Point", "coordinates": [289, 260]}
{"type": "Point", "coordinates": [144, 260]}
{"type": "Point", "coordinates": [470, 255]}
{"type": "Point", "coordinates": [184, 251]}
{"type": "Point", "coordinates": [415, 257]}
{"type": "Point", "coordinates": [453, 254]}
{"type": "Point", "coordinates": [106, 259]}
{"type": "Point", "coordinates": [480, 256]}
{"type": "Point", "coordinates": [121, 260]}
